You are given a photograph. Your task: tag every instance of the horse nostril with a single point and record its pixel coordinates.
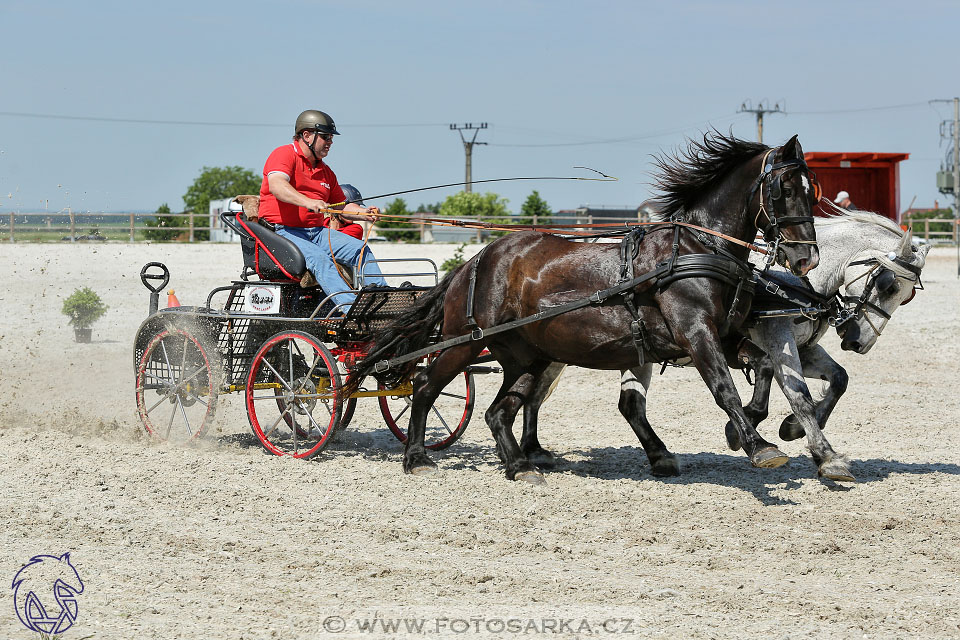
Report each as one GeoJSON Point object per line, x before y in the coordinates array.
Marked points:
{"type": "Point", "coordinates": [805, 265]}
{"type": "Point", "coordinates": [854, 346]}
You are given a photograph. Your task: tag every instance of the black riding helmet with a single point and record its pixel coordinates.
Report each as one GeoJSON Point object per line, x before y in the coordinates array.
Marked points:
{"type": "Point", "coordinates": [352, 194]}
{"type": "Point", "coordinates": [316, 121]}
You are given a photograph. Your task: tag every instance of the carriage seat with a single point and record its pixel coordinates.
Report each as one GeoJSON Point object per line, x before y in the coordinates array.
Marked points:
{"type": "Point", "coordinates": [272, 256]}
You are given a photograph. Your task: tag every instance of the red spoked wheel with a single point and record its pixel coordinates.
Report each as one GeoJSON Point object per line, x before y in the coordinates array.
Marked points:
{"type": "Point", "coordinates": [293, 395]}
{"type": "Point", "coordinates": [177, 386]}
{"type": "Point", "coordinates": [447, 418]}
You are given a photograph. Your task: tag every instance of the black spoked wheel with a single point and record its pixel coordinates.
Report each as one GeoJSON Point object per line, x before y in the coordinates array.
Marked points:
{"type": "Point", "coordinates": [293, 395]}
{"type": "Point", "coordinates": [447, 418]}
{"type": "Point", "coordinates": [178, 379]}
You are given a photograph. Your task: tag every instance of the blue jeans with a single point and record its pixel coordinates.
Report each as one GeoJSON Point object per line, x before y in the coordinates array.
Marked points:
{"type": "Point", "coordinates": [316, 243]}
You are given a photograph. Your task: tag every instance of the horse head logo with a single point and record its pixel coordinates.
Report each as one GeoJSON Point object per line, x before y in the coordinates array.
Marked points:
{"type": "Point", "coordinates": [45, 594]}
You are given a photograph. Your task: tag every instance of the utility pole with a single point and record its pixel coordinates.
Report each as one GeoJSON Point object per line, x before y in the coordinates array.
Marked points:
{"type": "Point", "coordinates": [760, 109]}
{"type": "Point", "coordinates": [949, 181]}
{"type": "Point", "coordinates": [468, 147]}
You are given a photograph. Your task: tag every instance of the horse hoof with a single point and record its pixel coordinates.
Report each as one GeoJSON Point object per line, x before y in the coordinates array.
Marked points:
{"type": "Point", "coordinates": [423, 470]}
{"type": "Point", "coordinates": [531, 477]}
{"type": "Point", "coordinates": [769, 458]}
{"type": "Point", "coordinates": [790, 429]}
{"type": "Point", "coordinates": [733, 438]}
{"type": "Point", "coordinates": [665, 467]}
{"type": "Point", "coordinates": [836, 470]}
{"type": "Point", "coordinates": [542, 459]}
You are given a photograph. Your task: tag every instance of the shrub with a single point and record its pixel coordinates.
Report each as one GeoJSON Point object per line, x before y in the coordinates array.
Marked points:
{"type": "Point", "coordinates": [83, 307]}
{"type": "Point", "coordinates": [452, 263]}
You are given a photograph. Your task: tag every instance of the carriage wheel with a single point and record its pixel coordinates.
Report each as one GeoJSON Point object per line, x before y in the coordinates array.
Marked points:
{"type": "Point", "coordinates": [447, 418]}
{"type": "Point", "coordinates": [349, 407]}
{"type": "Point", "coordinates": [177, 386]}
{"type": "Point", "coordinates": [293, 395]}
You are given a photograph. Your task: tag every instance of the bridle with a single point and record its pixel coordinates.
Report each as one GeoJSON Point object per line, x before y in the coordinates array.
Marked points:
{"type": "Point", "coordinates": [882, 275]}
{"type": "Point", "coordinates": [771, 176]}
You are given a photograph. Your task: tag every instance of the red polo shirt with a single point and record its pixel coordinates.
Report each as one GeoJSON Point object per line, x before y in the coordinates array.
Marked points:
{"type": "Point", "coordinates": [314, 182]}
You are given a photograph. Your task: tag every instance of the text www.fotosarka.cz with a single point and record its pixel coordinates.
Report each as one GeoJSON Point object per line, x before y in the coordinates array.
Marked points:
{"type": "Point", "coordinates": [466, 625]}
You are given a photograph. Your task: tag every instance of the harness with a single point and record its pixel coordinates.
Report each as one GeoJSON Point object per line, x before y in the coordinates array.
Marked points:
{"type": "Point", "coordinates": [677, 267]}
{"type": "Point", "coordinates": [881, 275]}
{"type": "Point", "coordinates": [772, 176]}
{"type": "Point", "coordinates": [722, 265]}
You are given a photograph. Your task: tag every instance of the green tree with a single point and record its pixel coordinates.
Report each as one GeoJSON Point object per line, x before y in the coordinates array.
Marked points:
{"type": "Point", "coordinates": [409, 231]}
{"type": "Point", "coordinates": [215, 183]}
{"type": "Point", "coordinates": [164, 227]}
{"type": "Point", "coordinates": [429, 208]}
{"type": "Point", "coordinates": [488, 207]}
{"type": "Point", "coordinates": [534, 205]}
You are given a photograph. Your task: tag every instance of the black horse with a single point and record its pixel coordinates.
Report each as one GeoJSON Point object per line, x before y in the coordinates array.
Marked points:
{"type": "Point", "coordinates": [728, 185]}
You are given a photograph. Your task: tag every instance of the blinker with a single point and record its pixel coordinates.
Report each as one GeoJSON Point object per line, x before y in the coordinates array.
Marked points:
{"type": "Point", "coordinates": [886, 280]}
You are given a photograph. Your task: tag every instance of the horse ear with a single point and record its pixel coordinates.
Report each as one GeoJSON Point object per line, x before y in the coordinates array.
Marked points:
{"type": "Point", "coordinates": [791, 150]}
{"type": "Point", "coordinates": [906, 244]}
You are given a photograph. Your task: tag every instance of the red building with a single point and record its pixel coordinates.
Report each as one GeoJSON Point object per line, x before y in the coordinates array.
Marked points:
{"type": "Point", "coordinates": [871, 179]}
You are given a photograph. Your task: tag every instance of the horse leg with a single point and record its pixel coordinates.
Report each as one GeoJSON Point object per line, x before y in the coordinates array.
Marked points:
{"type": "Point", "coordinates": [518, 384]}
{"type": "Point", "coordinates": [759, 406]}
{"type": "Point", "coordinates": [529, 442]}
{"type": "Point", "coordinates": [788, 371]}
{"type": "Point", "coordinates": [703, 345]}
{"type": "Point", "coordinates": [427, 386]}
{"type": "Point", "coordinates": [817, 363]}
{"type": "Point", "coordinates": [634, 384]}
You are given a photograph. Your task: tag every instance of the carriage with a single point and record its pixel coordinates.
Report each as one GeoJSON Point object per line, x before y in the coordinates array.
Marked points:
{"type": "Point", "coordinates": [287, 348]}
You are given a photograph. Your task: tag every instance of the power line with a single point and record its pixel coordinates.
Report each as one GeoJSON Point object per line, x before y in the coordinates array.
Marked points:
{"type": "Point", "coordinates": [52, 116]}
{"type": "Point", "coordinates": [907, 105]}
{"type": "Point", "coordinates": [633, 138]}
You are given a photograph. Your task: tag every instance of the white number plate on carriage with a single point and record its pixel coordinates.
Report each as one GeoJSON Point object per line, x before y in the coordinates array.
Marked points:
{"type": "Point", "coordinates": [261, 298]}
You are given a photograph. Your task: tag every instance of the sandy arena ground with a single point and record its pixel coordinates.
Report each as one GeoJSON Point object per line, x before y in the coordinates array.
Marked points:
{"type": "Point", "coordinates": [221, 540]}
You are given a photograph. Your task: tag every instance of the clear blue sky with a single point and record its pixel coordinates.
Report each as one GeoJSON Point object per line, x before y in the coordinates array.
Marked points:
{"type": "Point", "coordinates": [601, 84]}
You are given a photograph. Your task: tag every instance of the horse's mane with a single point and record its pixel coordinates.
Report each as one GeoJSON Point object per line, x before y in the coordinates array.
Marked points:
{"type": "Point", "coordinates": [682, 177]}
{"type": "Point", "coordinates": [861, 216]}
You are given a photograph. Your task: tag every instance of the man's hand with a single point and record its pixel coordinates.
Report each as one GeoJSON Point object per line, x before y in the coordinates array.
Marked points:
{"type": "Point", "coordinates": [317, 206]}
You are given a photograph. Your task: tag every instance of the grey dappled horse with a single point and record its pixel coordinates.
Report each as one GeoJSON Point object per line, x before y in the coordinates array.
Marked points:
{"type": "Point", "coordinates": [860, 252]}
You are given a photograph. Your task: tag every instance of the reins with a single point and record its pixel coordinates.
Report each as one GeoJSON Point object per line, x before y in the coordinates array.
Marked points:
{"type": "Point", "coordinates": [564, 229]}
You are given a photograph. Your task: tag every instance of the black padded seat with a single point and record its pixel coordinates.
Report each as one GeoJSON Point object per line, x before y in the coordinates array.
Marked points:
{"type": "Point", "coordinates": [272, 256]}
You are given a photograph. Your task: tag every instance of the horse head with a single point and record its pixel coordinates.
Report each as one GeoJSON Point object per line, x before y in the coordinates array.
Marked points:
{"type": "Point", "coordinates": [891, 280]}
{"type": "Point", "coordinates": [39, 584]}
{"type": "Point", "coordinates": [787, 197]}
{"type": "Point", "coordinates": [771, 186]}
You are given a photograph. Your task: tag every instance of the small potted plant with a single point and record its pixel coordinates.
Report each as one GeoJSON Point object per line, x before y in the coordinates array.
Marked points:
{"type": "Point", "coordinates": [84, 307]}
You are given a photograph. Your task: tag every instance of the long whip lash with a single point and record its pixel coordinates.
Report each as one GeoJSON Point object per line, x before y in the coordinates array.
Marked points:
{"type": "Point", "coordinates": [605, 178]}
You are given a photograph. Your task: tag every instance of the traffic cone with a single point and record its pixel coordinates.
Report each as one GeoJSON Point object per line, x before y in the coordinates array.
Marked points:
{"type": "Point", "coordinates": [172, 299]}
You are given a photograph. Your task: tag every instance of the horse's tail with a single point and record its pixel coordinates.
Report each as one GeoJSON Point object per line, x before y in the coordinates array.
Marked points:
{"type": "Point", "coordinates": [411, 330]}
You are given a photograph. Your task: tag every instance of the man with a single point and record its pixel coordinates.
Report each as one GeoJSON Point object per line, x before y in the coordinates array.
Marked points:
{"type": "Point", "coordinates": [298, 186]}
{"type": "Point", "coordinates": [843, 199]}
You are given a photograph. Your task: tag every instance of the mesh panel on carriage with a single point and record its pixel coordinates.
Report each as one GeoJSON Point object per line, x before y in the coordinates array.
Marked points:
{"type": "Point", "coordinates": [374, 309]}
